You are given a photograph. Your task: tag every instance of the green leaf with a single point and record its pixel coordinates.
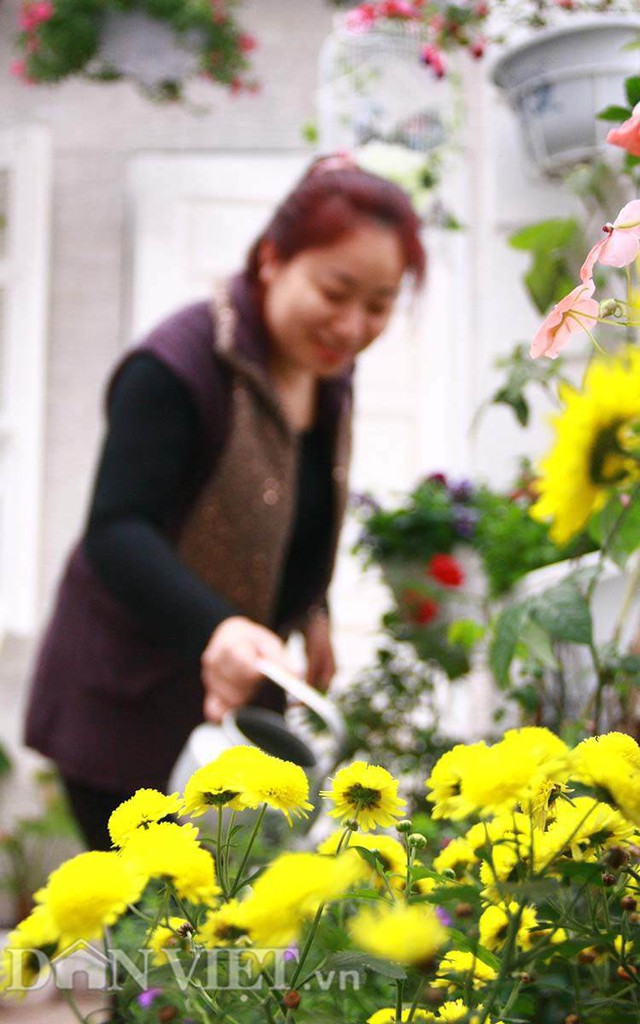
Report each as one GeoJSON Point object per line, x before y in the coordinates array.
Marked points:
{"type": "Point", "coordinates": [614, 113]}
{"type": "Point", "coordinates": [516, 401]}
{"type": "Point", "coordinates": [632, 89]}
{"type": "Point", "coordinates": [545, 236]}
{"type": "Point", "coordinates": [564, 612]}
{"type": "Point", "coordinates": [349, 960]}
{"type": "Point", "coordinates": [466, 632]}
{"type": "Point", "coordinates": [505, 640]}
{"type": "Point", "coordinates": [548, 280]}
{"type": "Point", "coordinates": [537, 641]}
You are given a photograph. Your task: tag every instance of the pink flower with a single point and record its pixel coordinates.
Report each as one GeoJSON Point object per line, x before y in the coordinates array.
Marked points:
{"type": "Point", "coordinates": [565, 319]}
{"type": "Point", "coordinates": [361, 18]}
{"type": "Point", "coordinates": [18, 68]}
{"type": "Point", "coordinates": [621, 244]}
{"type": "Point", "coordinates": [33, 14]}
{"type": "Point", "coordinates": [627, 135]}
{"type": "Point", "coordinates": [435, 59]}
{"type": "Point", "coordinates": [247, 42]}
{"type": "Point", "coordinates": [397, 9]}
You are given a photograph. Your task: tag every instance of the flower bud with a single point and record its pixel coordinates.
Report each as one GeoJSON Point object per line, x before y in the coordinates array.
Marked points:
{"type": "Point", "coordinates": [626, 973]}
{"type": "Point", "coordinates": [617, 857]}
{"type": "Point", "coordinates": [463, 910]}
{"type": "Point", "coordinates": [167, 1013]}
{"type": "Point", "coordinates": [628, 903]}
{"type": "Point", "coordinates": [448, 873]}
{"type": "Point", "coordinates": [353, 825]}
{"type": "Point", "coordinates": [609, 307]}
{"type": "Point", "coordinates": [608, 879]}
{"type": "Point", "coordinates": [186, 929]}
{"type": "Point", "coordinates": [525, 978]}
{"type": "Point", "coordinates": [572, 1018]}
{"type": "Point", "coordinates": [405, 825]}
{"type": "Point", "coordinates": [417, 840]}
{"type": "Point", "coordinates": [586, 956]}
{"type": "Point", "coordinates": [291, 1000]}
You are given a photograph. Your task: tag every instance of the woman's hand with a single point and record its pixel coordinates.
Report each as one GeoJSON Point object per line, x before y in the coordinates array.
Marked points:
{"type": "Point", "coordinates": [228, 664]}
{"type": "Point", "coordinates": [321, 665]}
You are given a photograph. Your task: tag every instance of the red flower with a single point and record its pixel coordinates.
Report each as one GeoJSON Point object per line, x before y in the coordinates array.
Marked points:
{"type": "Point", "coordinates": [446, 570]}
{"type": "Point", "coordinates": [425, 612]}
{"type": "Point", "coordinates": [419, 609]}
{"type": "Point", "coordinates": [247, 42]}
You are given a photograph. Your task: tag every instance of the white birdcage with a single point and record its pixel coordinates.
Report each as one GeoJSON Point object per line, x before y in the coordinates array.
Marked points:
{"type": "Point", "coordinates": [374, 86]}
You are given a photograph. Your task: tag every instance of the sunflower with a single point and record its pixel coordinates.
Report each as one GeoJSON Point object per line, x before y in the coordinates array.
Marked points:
{"type": "Point", "coordinates": [88, 892]}
{"type": "Point", "coordinates": [143, 808]}
{"type": "Point", "coordinates": [595, 446]}
{"type": "Point", "coordinates": [367, 794]}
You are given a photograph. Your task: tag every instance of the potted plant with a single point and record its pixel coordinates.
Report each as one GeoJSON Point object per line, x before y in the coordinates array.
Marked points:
{"type": "Point", "coordinates": [158, 44]}
{"type": "Point", "coordinates": [446, 551]}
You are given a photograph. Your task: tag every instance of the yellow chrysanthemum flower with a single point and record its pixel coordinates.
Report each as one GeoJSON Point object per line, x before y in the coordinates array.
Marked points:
{"type": "Point", "coordinates": [612, 762]}
{"type": "Point", "coordinates": [172, 851]}
{"type": "Point", "coordinates": [388, 1016]}
{"type": "Point", "coordinates": [145, 807]}
{"type": "Point", "coordinates": [494, 926]}
{"type": "Point", "coordinates": [291, 891]}
{"type": "Point", "coordinates": [594, 436]}
{"type": "Point", "coordinates": [585, 825]}
{"type": "Point", "coordinates": [19, 968]}
{"type": "Point", "coordinates": [458, 968]}
{"type": "Point", "coordinates": [88, 892]}
{"type": "Point", "coordinates": [503, 867]}
{"type": "Point", "coordinates": [456, 856]}
{"type": "Point", "coordinates": [245, 777]}
{"type": "Point", "coordinates": [526, 768]}
{"type": "Point", "coordinates": [457, 1011]}
{"type": "Point", "coordinates": [447, 779]}
{"type": "Point", "coordinates": [367, 794]}
{"type": "Point", "coordinates": [389, 850]}
{"type": "Point", "coordinates": [223, 926]}
{"type": "Point", "coordinates": [173, 934]}
{"type": "Point", "coordinates": [408, 933]}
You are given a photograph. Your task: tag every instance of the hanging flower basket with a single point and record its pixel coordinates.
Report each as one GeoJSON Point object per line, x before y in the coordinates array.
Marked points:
{"type": "Point", "coordinates": [559, 80]}
{"type": "Point", "coordinates": [158, 44]}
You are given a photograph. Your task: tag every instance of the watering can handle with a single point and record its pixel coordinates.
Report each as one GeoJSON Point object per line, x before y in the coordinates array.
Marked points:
{"type": "Point", "coordinates": [306, 694]}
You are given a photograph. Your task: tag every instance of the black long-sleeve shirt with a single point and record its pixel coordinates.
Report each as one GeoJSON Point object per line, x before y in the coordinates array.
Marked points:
{"type": "Point", "coordinates": [152, 448]}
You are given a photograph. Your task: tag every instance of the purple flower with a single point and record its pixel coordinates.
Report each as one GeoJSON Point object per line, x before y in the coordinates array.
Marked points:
{"type": "Point", "coordinates": [146, 998]}
{"type": "Point", "coordinates": [464, 520]}
{"type": "Point", "coordinates": [463, 491]}
{"type": "Point", "coordinates": [291, 953]}
{"type": "Point", "coordinates": [443, 917]}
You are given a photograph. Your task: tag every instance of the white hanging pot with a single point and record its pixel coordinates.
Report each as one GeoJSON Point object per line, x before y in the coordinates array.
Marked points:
{"type": "Point", "coordinates": [560, 79]}
{"type": "Point", "coordinates": [143, 48]}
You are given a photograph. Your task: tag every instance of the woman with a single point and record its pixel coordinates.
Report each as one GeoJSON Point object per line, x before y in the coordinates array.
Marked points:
{"type": "Point", "coordinates": [219, 495]}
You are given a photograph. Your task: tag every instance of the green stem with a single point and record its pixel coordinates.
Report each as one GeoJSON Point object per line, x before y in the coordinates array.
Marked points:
{"type": "Point", "coordinates": [414, 1004]}
{"type": "Point", "coordinates": [399, 993]}
{"type": "Point", "coordinates": [307, 946]}
{"type": "Point", "coordinates": [245, 857]}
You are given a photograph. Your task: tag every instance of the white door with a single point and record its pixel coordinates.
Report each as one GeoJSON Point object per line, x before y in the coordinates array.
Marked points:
{"type": "Point", "coordinates": [25, 177]}
{"type": "Point", "coordinates": [192, 219]}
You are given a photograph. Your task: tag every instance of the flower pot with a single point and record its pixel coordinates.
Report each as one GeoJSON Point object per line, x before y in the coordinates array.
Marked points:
{"type": "Point", "coordinates": [140, 47]}
{"type": "Point", "coordinates": [560, 79]}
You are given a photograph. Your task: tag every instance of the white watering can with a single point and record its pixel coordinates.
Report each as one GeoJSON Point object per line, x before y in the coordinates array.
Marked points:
{"type": "Point", "coordinates": [260, 727]}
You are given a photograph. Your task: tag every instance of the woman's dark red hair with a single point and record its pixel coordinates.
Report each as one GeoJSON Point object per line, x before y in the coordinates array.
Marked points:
{"type": "Point", "coordinates": [328, 203]}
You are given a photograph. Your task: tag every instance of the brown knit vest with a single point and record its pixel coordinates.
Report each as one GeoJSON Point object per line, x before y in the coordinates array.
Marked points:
{"type": "Point", "coordinates": [236, 535]}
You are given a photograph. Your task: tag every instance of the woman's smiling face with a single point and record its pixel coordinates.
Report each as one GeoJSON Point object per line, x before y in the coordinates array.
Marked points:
{"type": "Point", "coordinates": [325, 305]}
